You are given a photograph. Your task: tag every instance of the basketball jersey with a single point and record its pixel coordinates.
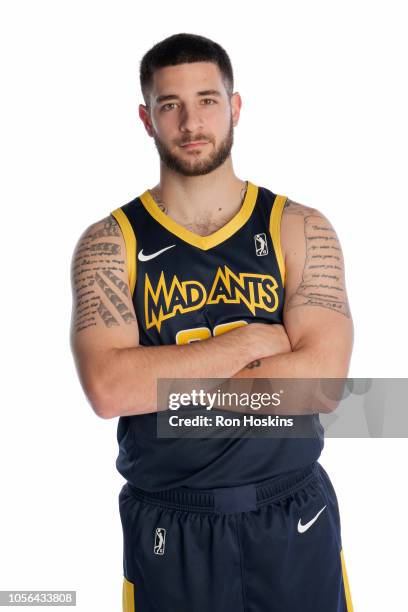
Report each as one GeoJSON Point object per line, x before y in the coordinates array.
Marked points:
{"type": "Point", "coordinates": [187, 287]}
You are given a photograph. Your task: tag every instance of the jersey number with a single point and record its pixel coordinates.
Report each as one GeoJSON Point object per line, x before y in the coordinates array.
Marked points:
{"type": "Point", "coordinates": [185, 336]}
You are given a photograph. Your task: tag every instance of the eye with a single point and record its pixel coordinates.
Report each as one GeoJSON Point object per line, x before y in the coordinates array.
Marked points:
{"type": "Point", "coordinates": [165, 105]}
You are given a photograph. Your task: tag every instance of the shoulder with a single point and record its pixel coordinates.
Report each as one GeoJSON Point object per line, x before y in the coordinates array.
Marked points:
{"type": "Point", "coordinates": [292, 208]}
{"type": "Point", "coordinates": [101, 235]}
{"type": "Point", "coordinates": [106, 227]}
{"type": "Point", "coordinates": [103, 228]}
{"type": "Point", "coordinates": [301, 224]}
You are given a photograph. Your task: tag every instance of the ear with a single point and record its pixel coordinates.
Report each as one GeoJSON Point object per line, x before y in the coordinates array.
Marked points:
{"type": "Point", "coordinates": [236, 104]}
{"type": "Point", "coordinates": [144, 114]}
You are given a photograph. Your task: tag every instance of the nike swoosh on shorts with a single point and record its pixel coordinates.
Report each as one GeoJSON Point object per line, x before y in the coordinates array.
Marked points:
{"type": "Point", "coordinates": [302, 528]}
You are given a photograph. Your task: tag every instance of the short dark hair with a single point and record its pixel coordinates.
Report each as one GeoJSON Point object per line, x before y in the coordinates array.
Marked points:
{"type": "Point", "coordinates": [181, 49]}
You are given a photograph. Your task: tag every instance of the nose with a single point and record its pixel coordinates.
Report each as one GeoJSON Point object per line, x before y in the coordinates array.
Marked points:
{"type": "Point", "coordinates": [190, 119]}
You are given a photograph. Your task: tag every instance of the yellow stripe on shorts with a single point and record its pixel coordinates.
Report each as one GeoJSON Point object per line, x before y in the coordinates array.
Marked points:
{"type": "Point", "coordinates": [128, 596]}
{"type": "Point", "coordinates": [346, 584]}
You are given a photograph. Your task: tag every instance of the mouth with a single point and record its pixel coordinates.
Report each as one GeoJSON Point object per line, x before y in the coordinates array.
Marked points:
{"type": "Point", "coordinates": [195, 143]}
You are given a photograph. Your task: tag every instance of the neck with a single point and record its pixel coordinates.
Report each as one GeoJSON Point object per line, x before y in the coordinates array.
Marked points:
{"type": "Point", "coordinates": [187, 198]}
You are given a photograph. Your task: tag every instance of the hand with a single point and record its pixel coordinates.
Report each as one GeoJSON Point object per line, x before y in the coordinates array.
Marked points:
{"type": "Point", "coordinates": [266, 339]}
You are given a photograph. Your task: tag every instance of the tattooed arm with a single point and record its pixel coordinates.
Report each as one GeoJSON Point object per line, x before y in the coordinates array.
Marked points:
{"type": "Point", "coordinates": [317, 313]}
{"type": "Point", "coordinates": [316, 316]}
{"type": "Point", "coordinates": [103, 316]}
{"type": "Point", "coordinates": [118, 376]}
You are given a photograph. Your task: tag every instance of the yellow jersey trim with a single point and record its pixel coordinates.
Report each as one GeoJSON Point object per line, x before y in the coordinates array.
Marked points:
{"type": "Point", "coordinates": [203, 242]}
{"type": "Point", "coordinates": [346, 584]}
{"type": "Point", "coordinates": [128, 596]}
{"type": "Point", "coordinates": [130, 243]}
{"type": "Point", "coordinates": [275, 231]}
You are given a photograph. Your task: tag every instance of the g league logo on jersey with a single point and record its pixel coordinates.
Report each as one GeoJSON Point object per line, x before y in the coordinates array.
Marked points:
{"type": "Point", "coordinates": [261, 246]}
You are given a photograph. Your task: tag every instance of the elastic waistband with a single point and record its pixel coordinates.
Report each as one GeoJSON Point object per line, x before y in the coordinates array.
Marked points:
{"type": "Point", "coordinates": [229, 499]}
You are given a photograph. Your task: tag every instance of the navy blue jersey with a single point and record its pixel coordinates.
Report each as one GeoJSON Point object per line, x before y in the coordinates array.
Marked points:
{"type": "Point", "coordinates": [187, 287]}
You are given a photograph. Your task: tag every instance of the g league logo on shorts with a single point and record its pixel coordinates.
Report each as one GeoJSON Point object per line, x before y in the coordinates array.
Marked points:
{"type": "Point", "coordinates": [159, 540]}
{"type": "Point", "coordinates": [261, 246]}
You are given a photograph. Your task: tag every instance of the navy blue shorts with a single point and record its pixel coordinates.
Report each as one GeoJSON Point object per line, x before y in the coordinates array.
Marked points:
{"type": "Point", "coordinates": [274, 546]}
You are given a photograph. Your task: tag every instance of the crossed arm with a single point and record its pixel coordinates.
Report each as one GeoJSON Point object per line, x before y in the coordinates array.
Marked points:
{"type": "Point", "coordinates": [119, 377]}
{"type": "Point", "coordinates": [316, 314]}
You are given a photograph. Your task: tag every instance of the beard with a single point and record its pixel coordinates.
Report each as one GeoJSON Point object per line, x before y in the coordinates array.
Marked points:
{"type": "Point", "coordinates": [196, 166]}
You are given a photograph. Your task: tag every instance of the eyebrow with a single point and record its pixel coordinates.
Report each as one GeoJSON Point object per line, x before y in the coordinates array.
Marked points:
{"type": "Point", "coordinates": [207, 92]}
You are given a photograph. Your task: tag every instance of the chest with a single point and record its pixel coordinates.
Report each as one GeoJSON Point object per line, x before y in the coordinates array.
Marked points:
{"type": "Point", "coordinates": [184, 292]}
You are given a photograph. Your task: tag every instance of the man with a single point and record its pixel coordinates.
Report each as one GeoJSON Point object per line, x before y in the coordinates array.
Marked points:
{"type": "Point", "coordinates": [209, 276]}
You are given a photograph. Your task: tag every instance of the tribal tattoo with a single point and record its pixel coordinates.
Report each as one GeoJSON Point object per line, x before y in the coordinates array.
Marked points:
{"type": "Point", "coordinates": [99, 293]}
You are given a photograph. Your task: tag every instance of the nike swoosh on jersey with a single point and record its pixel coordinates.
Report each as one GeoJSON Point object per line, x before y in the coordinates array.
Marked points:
{"type": "Point", "coordinates": [302, 528]}
{"type": "Point", "coordinates": [143, 257]}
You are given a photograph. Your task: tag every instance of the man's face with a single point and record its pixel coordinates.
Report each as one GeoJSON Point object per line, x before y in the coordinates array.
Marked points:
{"type": "Point", "coordinates": [189, 103]}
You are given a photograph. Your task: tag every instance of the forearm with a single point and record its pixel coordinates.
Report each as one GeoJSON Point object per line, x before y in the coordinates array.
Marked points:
{"type": "Point", "coordinates": [300, 363]}
{"type": "Point", "coordinates": [302, 393]}
{"type": "Point", "coordinates": [129, 377]}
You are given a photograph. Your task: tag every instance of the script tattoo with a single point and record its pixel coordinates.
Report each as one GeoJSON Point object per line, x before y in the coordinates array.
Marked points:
{"type": "Point", "coordinates": [158, 201]}
{"type": "Point", "coordinates": [99, 293]}
{"type": "Point", "coordinates": [323, 276]}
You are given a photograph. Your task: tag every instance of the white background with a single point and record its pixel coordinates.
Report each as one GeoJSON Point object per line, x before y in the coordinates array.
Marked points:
{"type": "Point", "coordinates": [323, 121]}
